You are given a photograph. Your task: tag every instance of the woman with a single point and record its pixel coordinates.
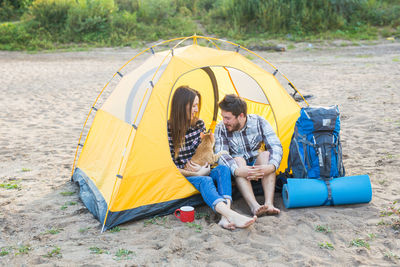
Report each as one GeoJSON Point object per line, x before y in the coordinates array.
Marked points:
{"type": "Point", "coordinates": [184, 130]}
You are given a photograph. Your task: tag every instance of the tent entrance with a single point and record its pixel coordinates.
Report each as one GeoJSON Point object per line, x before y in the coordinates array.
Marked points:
{"type": "Point", "coordinates": [214, 82]}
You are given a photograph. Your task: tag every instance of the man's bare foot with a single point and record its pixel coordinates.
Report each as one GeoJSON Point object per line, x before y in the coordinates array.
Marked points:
{"type": "Point", "coordinates": [271, 210]}
{"type": "Point", "coordinates": [260, 210]}
{"type": "Point", "coordinates": [224, 223]}
{"type": "Point", "coordinates": [241, 221]}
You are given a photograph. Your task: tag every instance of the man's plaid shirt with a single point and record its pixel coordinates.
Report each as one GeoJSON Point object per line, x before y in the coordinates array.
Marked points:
{"type": "Point", "coordinates": [246, 142]}
{"type": "Point", "coordinates": [192, 141]}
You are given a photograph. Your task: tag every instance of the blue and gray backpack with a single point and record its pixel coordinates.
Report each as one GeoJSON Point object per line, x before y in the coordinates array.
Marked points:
{"type": "Point", "coordinates": [315, 150]}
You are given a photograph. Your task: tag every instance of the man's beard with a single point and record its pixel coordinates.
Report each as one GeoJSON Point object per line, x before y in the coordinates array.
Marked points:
{"type": "Point", "coordinates": [234, 127]}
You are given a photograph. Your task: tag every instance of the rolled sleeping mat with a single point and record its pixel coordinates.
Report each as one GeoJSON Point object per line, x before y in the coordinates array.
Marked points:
{"type": "Point", "coordinates": [315, 192]}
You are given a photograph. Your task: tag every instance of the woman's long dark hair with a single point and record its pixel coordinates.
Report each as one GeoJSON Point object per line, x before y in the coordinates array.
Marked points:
{"type": "Point", "coordinates": [180, 118]}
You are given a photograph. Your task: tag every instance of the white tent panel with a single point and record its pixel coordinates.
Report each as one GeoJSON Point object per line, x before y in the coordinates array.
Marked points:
{"type": "Point", "coordinates": [247, 87]}
{"type": "Point", "coordinates": [129, 98]}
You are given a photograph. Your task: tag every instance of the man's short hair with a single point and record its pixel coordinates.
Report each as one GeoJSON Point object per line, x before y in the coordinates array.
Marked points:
{"type": "Point", "coordinates": [234, 104]}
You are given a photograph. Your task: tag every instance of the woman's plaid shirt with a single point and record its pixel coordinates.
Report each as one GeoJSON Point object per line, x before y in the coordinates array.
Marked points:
{"type": "Point", "coordinates": [192, 141]}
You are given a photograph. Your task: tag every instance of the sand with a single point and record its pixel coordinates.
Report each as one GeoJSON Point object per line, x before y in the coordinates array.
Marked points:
{"type": "Point", "coordinates": [45, 97]}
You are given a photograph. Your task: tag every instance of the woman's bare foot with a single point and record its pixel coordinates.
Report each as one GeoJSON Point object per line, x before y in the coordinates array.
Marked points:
{"type": "Point", "coordinates": [241, 221]}
{"type": "Point", "coordinates": [224, 223]}
{"type": "Point", "coordinates": [236, 219]}
{"type": "Point", "coordinates": [271, 210]}
{"type": "Point", "coordinates": [260, 210]}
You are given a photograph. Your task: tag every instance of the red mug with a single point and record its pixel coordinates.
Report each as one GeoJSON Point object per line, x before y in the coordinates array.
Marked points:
{"type": "Point", "coordinates": [185, 214]}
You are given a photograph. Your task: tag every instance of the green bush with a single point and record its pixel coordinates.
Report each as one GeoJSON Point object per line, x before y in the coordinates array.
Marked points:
{"type": "Point", "coordinates": [125, 23]}
{"type": "Point", "coordinates": [124, 29]}
{"type": "Point", "coordinates": [156, 11]}
{"type": "Point", "coordinates": [299, 17]}
{"type": "Point", "coordinates": [90, 20]}
{"type": "Point", "coordinates": [51, 14]}
{"type": "Point", "coordinates": [46, 24]}
{"type": "Point", "coordinates": [13, 36]}
{"type": "Point", "coordinates": [12, 10]}
{"type": "Point", "coordinates": [130, 6]}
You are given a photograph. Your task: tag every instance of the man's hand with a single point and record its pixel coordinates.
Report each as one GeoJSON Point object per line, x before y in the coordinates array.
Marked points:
{"type": "Point", "coordinates": [259, 171]}
{"type": "Point", "coordinates": [242, 171]}
{"type": "Point", "coordinates": [248, 172]}
{"type": "Point", "coordinates": [255, 172]}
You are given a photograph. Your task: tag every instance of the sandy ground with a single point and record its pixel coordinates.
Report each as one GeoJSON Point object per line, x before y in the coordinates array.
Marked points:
{"type": "Point", "coordinates": [45, 97]}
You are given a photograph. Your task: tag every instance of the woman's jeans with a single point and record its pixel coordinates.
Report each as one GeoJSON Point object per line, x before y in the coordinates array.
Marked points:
{"type": "Point", "coordinates": [214, 188]}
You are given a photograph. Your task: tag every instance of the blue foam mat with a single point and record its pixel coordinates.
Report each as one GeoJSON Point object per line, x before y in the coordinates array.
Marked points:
{"type": "Point", "coordinates": [314, 192]}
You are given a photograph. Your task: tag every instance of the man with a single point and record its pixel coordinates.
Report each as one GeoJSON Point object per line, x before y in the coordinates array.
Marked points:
{"type": "Point", "coordinates": [242, 135]}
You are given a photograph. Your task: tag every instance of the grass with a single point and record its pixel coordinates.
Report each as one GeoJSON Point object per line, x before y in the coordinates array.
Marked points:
{"type": "Point", "coordinates": [381, 222]}
{"type": "Point", "coordinates": [198, 228]}
{"type": "Point", "coordinates": [124, 254]}
{"type": "Point", "coordinates": [14, 184]}
{"type": "Point", "coordinates": [396, 59]}
{"type": "Point", "coordinates": [365, 56]}
{"type": "Point", "coordinates": [23, 249]}
{"type": "Point", "coordinates": [25, 170]}
{"type": "Point", "coordinates": [84, 230]}
{"type": "Point", "coordinates": [358, 242]}
{"type": "Point", "coordinates": [393, 210]}
{"type": "Point", "coordinates": [116, 229]}
{"type": "Point", "coordinates": [382, 182]}
{"type": "Point", "coordinates": [67, 193]}
{"type": "Point", "coordinates": [55, 252]}
{"type": "Point", "coordinates": [4, 251]}
{"type": "Point", "coordinates": [390, 255]}
{"type": "Point", "coordinates": [371, 236]}
{"type": "Point", "coordinates": [70, 203]}
{"type": "Point", "coordinates": [323, 229]}
{"type": "Point", "coordinates": [326, 245]}
{"type": "Point", "coordinates": [156, 220]}
{"type": "Point", "coordinates": [200, 215]}
{"type": "Point", "coordinates": [97, 250]}
{"type": "Point", "coordinates": [53, 231]}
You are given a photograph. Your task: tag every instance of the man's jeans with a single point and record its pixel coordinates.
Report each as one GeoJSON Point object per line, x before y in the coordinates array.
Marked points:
{"type": "Point", "coordinates": [214, 188]}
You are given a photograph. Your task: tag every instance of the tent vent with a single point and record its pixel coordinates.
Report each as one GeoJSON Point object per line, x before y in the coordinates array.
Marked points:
{"type": "Point", "coordinates": [120, 74]}
{"type": "Point", "coordinates": [80, 145]}
{"type": "Point", "coordinates": [95, 109]}
{"type": "Point", "coordinates": [275, 72]}
{"type": "Point", "coordinates": [119, 176]}
{"type": "Point", "coordinates": [152, 50]}
{"type": "Point", "coordinates": [134, 126]}
{"type": "Point", "coordinates": [237, 48]}
{"type": "Point", "coordinates": [152, 84]}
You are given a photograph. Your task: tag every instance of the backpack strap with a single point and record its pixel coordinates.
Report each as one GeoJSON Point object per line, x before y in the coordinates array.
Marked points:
{"type": "Point", "coordinates": [294, 151]}
{"type": "Point", "coordinates": [303, 139]}
{"type": "Point", "coordinates": [329, 199]}
{"type": "Point", "coordinates": [342, 171]}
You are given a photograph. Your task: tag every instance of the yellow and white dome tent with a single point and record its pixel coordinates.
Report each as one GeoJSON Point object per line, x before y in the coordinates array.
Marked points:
{"type": "Point", "coordinates": [125, 170]}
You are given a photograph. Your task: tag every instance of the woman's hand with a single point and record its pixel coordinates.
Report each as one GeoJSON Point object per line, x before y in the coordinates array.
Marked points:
{"type": "Point", "coordinates": [192, 167]}
{"type": "Point", "coordinates": [204, 170]}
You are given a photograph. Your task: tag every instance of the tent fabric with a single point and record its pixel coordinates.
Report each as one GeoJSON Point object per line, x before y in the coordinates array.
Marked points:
{"type": "Point", "coordinates": [96, 204]}
{"type": "Point", "coordinates": [126, 155]}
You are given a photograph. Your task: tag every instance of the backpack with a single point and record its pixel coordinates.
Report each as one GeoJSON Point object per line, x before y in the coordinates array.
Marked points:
{"type": "Point", "coordinates": [315, 150]}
